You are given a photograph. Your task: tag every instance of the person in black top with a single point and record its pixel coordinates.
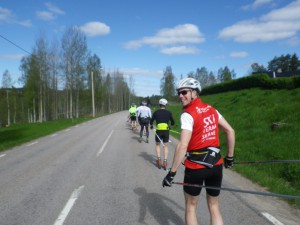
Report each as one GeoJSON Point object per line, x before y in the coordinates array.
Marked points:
{"type": "Point", "coordinates": [162, 117]}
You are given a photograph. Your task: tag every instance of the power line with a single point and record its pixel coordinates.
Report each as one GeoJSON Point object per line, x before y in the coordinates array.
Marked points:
{"type": "Point", "coordinates": [15, 44]}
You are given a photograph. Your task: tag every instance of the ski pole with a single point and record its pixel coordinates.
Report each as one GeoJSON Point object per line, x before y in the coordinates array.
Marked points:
{"type": "Point", "coordinates": [239, 190]}
{"type": "Point", "coordinates": [158, 137]}
{"type": "Point", "coordinates": [269, 162]}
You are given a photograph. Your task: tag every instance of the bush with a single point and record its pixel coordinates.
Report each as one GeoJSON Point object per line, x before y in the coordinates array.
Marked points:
{"type": "Point", "coordinates": [254, 81]}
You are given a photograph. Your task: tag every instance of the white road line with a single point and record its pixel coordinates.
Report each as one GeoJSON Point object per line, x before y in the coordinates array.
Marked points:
{"type": "Point", "coordinates": [104, 144]}
{"type": "Point", "coordinates": [272, 219]}
{"type": "Point", "coordinates": [64, 213]}
{"type": "Point", "coordinates": [53, 135]}
{"type": "Point", "coordinates": [2, 155]}
{"type": "Point", "coordinates": [67, 130]}
{"type": "Point", "coordinates": [32, 143]}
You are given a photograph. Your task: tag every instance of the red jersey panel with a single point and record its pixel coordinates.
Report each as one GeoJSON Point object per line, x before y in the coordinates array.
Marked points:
{"type": "Point", "coordinates": [205, 130]}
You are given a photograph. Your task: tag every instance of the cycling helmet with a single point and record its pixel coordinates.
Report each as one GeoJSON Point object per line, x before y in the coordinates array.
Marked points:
{"type": "Point", "coordinates": [163, 102]}
{"type": "Point", "coordinates": [190, 83]}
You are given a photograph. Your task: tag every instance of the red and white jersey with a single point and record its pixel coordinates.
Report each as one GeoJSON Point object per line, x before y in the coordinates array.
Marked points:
{"type": "Point", "coordinates": [202, 119]}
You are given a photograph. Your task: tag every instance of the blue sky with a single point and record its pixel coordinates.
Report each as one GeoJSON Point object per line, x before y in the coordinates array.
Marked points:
{"type": "Point", "coordinates": [141, 38]}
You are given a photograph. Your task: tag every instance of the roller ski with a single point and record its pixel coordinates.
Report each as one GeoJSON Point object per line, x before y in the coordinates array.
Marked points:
{"type": "Point", "coordinates": [158, 163]}
{"type": "Point", "coordinates": [142, 139]}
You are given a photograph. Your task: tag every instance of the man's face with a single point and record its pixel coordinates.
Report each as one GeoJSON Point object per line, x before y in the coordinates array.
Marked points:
{"type": "Point", "coordinates": [185, 96]}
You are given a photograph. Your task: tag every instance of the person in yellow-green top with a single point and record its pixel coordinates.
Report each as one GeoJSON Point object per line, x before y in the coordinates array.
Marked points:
{"type": "Point", "coordinates": [132, 115]}
{"type": "Point", "coordinates": [162, 118]}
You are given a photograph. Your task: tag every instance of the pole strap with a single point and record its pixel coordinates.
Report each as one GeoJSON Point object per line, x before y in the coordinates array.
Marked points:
{"type": "Point", "coordinates": [239, 190]}
{"type": "Point", "coordinates": [269, 161]}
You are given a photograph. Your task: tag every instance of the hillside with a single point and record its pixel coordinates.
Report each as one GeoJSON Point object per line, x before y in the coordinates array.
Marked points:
{"type": "Point", "coordinates": [252, 112]}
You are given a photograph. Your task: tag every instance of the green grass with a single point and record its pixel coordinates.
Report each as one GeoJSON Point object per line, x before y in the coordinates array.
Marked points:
{"type": "Point", "coordinates": [251, 114]}
{"type": "Point", "coordinates": [21, 133]}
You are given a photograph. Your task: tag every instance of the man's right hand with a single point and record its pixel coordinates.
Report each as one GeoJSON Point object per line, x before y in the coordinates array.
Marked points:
{"type": "Point", "coordinates": [167, 181]}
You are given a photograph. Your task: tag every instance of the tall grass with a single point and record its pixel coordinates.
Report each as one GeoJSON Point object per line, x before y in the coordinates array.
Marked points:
{"type": "Point", "coordinates": [251, 113]}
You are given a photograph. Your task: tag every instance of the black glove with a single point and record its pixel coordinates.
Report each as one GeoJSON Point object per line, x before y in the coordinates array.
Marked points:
{"type": "Point", "coordinates": [228, 162]}
{"type": "Point", "coordinates": [168, 179]}
{"type": "Point", "coordinates": [151, 127]}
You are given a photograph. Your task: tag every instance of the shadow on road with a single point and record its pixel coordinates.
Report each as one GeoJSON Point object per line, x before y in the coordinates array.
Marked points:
{"type": "Point", "coordinates": [158, 206]}
{"type": "Point", "coordinates": [148, 157]}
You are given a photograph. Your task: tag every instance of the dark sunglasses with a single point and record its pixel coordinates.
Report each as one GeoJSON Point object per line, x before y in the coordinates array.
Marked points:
{"type": "Point", "coordinates": [182, 92]}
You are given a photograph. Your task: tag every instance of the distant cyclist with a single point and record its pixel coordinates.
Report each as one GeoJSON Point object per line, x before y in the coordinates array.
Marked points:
{"type": "Point", "coordinates": [132, 115]}
{"type": "Point", "coordinates": [162, 118]}
{"type": "Point", "coordinates": [144, 116]}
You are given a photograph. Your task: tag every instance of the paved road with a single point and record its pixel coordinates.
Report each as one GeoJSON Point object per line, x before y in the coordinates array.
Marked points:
{"type": "Point", "coordinates": [98, 173]}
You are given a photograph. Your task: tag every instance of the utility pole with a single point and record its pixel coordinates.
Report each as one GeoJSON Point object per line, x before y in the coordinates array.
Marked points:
{"type": "Point", "coordinates": [93, 97]}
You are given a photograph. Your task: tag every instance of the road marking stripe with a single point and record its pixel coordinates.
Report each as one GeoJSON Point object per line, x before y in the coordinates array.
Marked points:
{"type": "Point", "coordinates": [2, 155]}
{"type": "Point", "coordinates": [104, 144]}
{"type": "Point", "coordinates": [53, 135]}
{"type": "Point", "coordinates": [64, 213]}
{"type": "Point", "coordinates": [272, 219]}
{"type": "Point", "coordinates": [32, 143]}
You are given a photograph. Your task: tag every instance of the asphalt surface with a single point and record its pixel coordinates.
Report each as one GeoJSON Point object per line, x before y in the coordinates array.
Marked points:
{"type": "Point", "coordinates": [99, 173]}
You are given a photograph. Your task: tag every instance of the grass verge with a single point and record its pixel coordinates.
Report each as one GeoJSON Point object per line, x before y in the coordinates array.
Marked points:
{"type": "Point", "coordinates": [21, 133]}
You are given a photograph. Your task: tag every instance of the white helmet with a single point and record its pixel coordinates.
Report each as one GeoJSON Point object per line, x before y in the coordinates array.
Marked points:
{"type": "Point", "coordinates": [190, 83]}
{"type": "Point", "coordinates": [163, 102]}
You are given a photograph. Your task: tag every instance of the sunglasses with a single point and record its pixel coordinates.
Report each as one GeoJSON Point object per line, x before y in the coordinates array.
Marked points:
{"type": "Point", "coordinates": [184, 92]}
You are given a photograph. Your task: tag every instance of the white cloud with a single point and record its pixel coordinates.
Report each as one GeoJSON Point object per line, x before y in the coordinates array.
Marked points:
{"type": "Point", "coordinates": [54, 9]}
{"type": "Point", "coordinates": [278, 24]}
{"type": "Point", "coordinates": [138, 72]}
{"type": "Point", "coordinates": [12, 56]}
{"type": "Point", "coordinates": [25, 23]}
{"type": "Point", "coordinates": [45, 15]}
{"type": "Point", "coordinates": [257, 4]}
{"type": "Point", "coordinates": [181, 34]}
{"type": "Point", "coordinates": [49, 14]}
{"type": "Point", "coordinates": [239, 54]}
{"type": "Point", "coordinates": [145, 82]}
{"type": "Point", "coordinates": [93, 29]}
{"type": "Point", "coordinates": [179, 50]}
{"type": "Point", "coordinates": [289, 13]}
{"type": "Point", "coordinates": [7, 16]}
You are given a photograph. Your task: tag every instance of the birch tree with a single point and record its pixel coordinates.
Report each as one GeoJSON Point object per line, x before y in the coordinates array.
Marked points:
{"type": "Point", "coordinates": [7, 84]}
{"type": "Point", "coordinates": [167, 87]}
{"type": "Point", "coordinates": [74, 53]}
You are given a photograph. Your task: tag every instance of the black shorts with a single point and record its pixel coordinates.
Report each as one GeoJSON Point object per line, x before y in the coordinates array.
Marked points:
{"type": "Point", "coordinates": [133, 118]}
{"type": "Point", "coordinates": [207, 176]}
{"type": "Point", "coordinates": [163, 135]}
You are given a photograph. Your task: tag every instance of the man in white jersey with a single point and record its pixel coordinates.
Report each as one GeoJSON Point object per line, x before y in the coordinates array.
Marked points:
{"type": "Point", "coordinates": [144, 115]}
